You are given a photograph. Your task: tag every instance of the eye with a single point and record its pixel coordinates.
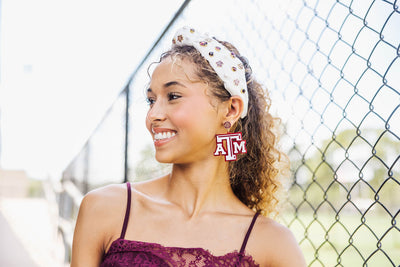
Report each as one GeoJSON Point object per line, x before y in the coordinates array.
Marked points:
{"type": "Point", "coordinates": [173, 96]}
{"type": "Point", "coordinates": [150, 101]}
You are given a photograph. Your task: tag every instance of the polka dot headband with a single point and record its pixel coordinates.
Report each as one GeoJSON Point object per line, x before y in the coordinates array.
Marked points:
{"type": "Point", "coordinates": [224, 62]}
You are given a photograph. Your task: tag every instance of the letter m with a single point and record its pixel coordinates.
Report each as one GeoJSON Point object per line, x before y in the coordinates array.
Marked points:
{"type": "Point", "coordinates": [239, 147]}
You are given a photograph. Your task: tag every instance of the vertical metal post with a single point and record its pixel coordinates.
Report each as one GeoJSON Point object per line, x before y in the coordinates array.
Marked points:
{"type": "Point", "coordinates": [127, 103]}
{"type": "Point", "coordinates": [127, 90]}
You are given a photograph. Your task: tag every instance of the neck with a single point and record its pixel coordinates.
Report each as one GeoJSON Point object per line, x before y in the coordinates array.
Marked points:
{"type": "Point", "coordinates": [199, 187]}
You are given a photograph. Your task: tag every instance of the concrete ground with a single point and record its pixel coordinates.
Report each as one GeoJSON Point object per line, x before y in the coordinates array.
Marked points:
{"type": "Point", "coordinates": [13, 253]}
{"type": "Point", "coordinates": [28, 234]}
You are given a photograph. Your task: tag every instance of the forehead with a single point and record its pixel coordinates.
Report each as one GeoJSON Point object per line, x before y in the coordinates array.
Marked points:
{"type": "Point", "coordinates": [174, 68]}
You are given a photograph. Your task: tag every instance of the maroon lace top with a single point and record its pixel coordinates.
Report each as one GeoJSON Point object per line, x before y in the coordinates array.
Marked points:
{"type": "Point", "coordinates": [124, 253]}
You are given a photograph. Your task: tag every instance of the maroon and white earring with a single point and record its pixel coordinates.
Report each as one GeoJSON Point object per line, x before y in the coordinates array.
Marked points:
{"type": "Point", "coordinates": [227, 125]}
{"type": "Point", "coordinates": [233, 144]}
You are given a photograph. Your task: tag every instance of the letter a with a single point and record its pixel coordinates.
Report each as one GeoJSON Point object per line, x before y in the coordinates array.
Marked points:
{"type": "Point", "coordinates": [219, 150]}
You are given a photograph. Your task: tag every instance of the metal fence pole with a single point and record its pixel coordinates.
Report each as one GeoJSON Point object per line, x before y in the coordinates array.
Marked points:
{"type": "Point", "coordinates": [126, 145]}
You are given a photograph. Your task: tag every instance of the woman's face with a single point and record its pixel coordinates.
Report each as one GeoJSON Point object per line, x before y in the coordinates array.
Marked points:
{"type": "Point", "coordinates": [181, 118]}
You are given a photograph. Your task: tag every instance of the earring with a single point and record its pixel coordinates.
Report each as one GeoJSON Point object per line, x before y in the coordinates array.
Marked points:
{"type": "Point", "coordinates": [230, 145]}
{"type": "Point", "coordinates": [227, 125]}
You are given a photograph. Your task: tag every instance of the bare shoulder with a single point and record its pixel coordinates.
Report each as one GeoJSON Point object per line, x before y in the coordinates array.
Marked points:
{"type": "Point", "coordinates": [99, 221]}
{"type": "Point", "coordinates": [277, 244]}
{"type": "Point", "coordinates": [104, 200]}
{"type": "Point", "coordinates": [106, 206]}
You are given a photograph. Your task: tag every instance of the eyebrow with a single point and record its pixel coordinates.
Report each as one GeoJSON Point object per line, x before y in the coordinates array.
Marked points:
{"type": "Point", "coordinates": [168, 84]}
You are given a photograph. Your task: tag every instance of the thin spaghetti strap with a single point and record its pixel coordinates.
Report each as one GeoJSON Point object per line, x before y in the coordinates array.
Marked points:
{"type": "Point", "coordinates": [127, 212]}
{"type": "Point", "coordinates": [246, 238]}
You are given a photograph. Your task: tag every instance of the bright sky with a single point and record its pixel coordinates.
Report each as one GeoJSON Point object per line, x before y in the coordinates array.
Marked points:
{"type": "Point", "coordinates": [62, 64]}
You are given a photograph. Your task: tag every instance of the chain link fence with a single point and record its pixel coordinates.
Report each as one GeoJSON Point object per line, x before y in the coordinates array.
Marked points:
{"type": "Point", "coordinates": [333, 70]}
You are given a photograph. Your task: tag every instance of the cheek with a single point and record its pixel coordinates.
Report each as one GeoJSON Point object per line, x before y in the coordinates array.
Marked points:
{"type": "Point", "coordinates": [198, 117]}
{"type": "Point", "coordinates": [183, 118]}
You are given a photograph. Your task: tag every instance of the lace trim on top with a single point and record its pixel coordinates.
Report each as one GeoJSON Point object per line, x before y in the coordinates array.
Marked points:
{"type": "Point", "coordinates": [124, 253]}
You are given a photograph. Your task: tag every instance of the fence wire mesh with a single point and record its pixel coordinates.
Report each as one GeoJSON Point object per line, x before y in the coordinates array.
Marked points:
{"type": "Point", "coordinates": [333, 70]}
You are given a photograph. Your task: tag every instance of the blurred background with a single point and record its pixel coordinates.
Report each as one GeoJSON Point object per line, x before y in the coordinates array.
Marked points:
{"type": "Point", "coordinates": [72, 110]}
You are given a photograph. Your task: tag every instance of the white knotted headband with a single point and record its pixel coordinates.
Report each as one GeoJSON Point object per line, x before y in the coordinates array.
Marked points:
{"type": "Point", "coordinates": [228, 67]}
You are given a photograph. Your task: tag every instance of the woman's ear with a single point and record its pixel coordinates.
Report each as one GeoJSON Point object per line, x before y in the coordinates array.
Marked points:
{"type": "Point", "coordinates": [235, 109]}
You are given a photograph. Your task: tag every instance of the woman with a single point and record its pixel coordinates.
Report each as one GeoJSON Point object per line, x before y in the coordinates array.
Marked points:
{"type": "Point", "coordinates": [209, 118]}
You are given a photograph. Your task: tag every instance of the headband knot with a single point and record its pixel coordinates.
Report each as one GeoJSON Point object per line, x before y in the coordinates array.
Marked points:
{"type": "Point", "coordinates": [228, 67]}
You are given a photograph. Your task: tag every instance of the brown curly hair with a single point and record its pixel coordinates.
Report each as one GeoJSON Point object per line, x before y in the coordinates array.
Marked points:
{"type": "Point", "coordinates": [254, 177]}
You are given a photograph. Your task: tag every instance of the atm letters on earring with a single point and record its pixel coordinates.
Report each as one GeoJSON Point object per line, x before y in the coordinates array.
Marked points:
{"type": "Point", "coordinates": [234, 145]}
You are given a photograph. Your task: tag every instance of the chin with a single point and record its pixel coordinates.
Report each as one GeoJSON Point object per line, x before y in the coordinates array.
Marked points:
{"type": "Point", "coordinates": [170, 160]}
{"type": "Point", "coordinates": [164, 158]}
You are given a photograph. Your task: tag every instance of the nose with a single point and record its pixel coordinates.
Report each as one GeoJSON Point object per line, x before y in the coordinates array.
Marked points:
{"type": "Point", "coordinates": [156, 112]}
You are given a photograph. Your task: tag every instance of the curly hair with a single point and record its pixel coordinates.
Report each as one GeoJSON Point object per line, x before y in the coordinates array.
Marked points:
{"type": "Point", "coordinates": [254, 176]}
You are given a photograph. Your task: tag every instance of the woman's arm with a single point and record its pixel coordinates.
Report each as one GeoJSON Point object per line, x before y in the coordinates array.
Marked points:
{"type": "Point", "coordinates": [87, 247]}
{"type": "Point", "coordinates": [286, 251]}
{"type": "Point", "coordinates": [276, 245]}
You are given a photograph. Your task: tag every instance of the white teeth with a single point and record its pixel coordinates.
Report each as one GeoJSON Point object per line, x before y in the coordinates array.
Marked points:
{"type": "Point", "coordinates": [163, 135]}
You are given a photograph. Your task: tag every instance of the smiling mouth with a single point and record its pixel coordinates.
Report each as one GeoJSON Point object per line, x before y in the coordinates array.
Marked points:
{"type": "Point", "coordinates": [163, 135]}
